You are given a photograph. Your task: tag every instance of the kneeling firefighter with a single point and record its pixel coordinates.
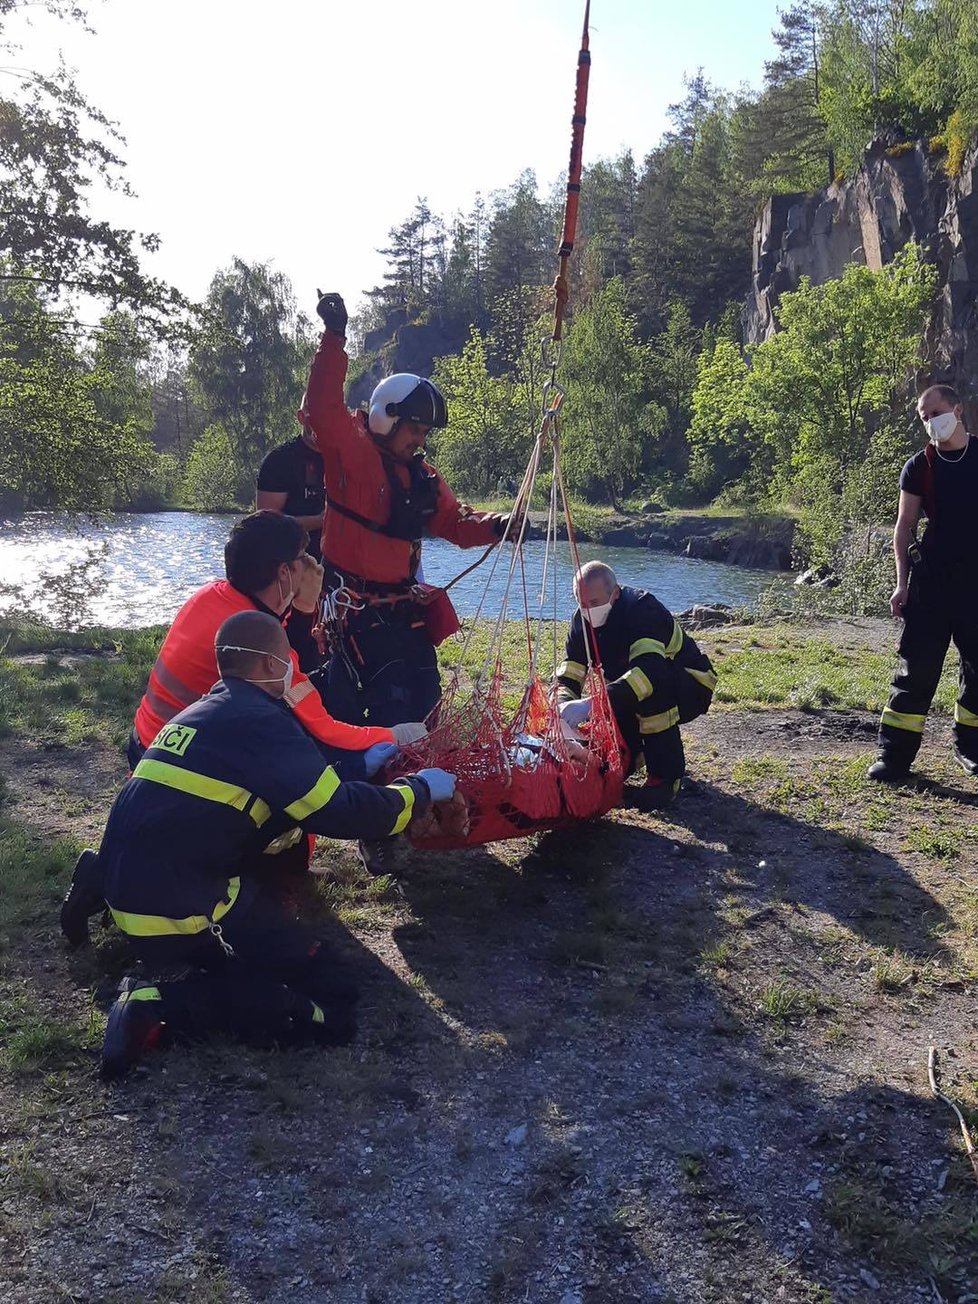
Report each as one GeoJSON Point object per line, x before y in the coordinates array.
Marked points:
{"type": "Point", "coordinates": [189, 850]}
{"type": "Point", "coordinates": [657, 676]}
{"type": "Point", "coordinates": [382, 498]}
{"type": "Point", "coordinates": [267, 570]}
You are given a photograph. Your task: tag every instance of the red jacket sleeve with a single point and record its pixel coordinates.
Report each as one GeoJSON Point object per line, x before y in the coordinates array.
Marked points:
{"type": "Point", "coordinates": [459, 524]}
{"type": "Point", "coordinates": [307, 707]}
{"type": "Point", "coordinates": [325, 404]}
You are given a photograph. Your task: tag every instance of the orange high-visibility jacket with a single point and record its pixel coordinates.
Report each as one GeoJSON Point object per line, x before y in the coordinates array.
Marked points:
{"type": "Point", "coordinates": [356, 475]}
{"type": "Point", "coordinates": [186, 669]}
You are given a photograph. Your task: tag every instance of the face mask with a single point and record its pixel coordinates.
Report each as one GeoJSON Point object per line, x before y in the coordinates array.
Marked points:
{"type": "Point", "coordinates": [597, 614]}
{"type": "Point", "coordinates": [287, 598]}
{"type": "Point", "coordinates": [942, 427]}
{"type": "Point", "coordinates": [285, 680]}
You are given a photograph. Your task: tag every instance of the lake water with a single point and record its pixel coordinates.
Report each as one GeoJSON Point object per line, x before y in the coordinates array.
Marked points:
{"type": "Point", "coordinates": [154, 561]}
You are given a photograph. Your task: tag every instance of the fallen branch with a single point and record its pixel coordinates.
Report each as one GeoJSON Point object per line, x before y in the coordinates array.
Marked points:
{"type": "Point", "coordinates": [969, 1145]}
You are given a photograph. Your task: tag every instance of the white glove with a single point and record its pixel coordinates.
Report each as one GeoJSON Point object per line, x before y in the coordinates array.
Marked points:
{"type": "Point", "coordinates": [412, 731]}
{"type": "Point", "coordinates": [575, 712]}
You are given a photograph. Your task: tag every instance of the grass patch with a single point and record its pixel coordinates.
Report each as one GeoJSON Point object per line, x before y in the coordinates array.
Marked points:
{"type": "Point", "coordinates": [942, 1244]}
{"type": "Point", "coordinates": [935, 843]}
{"type": "Point", "coordinates": [783, 1002]}
{"type": "Point", "coordinates": [33, 874]}
{"type": "Point", "coordinates": [784, 665]}
{"type": "Point", "coordinates": [73, 688]}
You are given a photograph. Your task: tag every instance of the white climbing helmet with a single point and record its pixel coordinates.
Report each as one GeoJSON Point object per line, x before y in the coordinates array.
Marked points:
{"type": "Point", "coordinates": [404, 397]}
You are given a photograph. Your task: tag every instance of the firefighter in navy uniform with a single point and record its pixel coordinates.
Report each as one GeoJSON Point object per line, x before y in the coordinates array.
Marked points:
{"type": "Point", "coordinates": [936, 589]}
{"type": "Point", "coordinates": [188, 859]}
{"type": "Point", "coordinates": [657, 677]}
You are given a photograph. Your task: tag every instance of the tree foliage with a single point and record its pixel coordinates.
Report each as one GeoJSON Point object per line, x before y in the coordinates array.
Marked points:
{"type": "Point", "coordinates": [250, 358]}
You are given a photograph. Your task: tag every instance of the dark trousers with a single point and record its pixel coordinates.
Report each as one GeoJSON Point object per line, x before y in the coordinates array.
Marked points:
{"type": "Point", "coordinates": [281, 985]}
{"type": "Point", "coordinates": [676, 699]}
{"type": "Point", "coordinates": [941, 609]}
{"type": "Point", "coordinates": [386, 672]}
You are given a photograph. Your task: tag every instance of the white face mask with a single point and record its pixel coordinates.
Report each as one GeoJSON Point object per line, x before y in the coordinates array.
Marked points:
{"type": "Point", "coordinates": [596, 614]}
{"type": "Point", "coordinates": [941, 427]}
{"type": "Point", "coordinates": [285, 680]}
{"type": "Point", "coordinates": [287, 598]}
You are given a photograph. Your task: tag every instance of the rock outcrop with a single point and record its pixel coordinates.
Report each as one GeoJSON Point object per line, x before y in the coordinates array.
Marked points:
{"type": "Point", "coordinates": [901, 192]}
{"type": "Point", "coordinates": [402, 345]}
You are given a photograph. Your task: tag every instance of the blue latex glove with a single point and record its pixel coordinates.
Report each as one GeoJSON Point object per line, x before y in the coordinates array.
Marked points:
{"type": "Point", "coordinates": [441, 784]}
{"type": "Point", "coordinates": [574, 713]}
{"type": "Point", "coordinates": [376, 757]}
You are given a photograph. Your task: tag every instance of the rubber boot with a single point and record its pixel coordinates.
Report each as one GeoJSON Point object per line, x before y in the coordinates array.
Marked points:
{"type": "Point", "coordinates": [85, 897]}
{"type": "Point", "coordinates": [655, 794]}
{"type": "Point", "coordinates": [887, 771]}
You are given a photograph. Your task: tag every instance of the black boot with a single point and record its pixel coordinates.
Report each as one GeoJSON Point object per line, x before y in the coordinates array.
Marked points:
{"type": "Point", "coordinates": [887, 771]}
{"type": "Point", "coordinates": [967, 763]}
{"type": "Point", "coordinates": [654, 794]}
{"type": "Point", "coordinates": [135, 1026]}
{"type": "Point", "coordinates": [85, 897]}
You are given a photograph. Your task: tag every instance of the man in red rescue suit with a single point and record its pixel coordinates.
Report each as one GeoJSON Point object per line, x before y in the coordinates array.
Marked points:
{"type": "Point", "coordinates": [936, 590]}
{"type": "Point", "coordinates": [225, 785]}
{"type": "Point", "coordinates": [267, 570]}
{"type": "Point", "coordinates": [382, 498]}
{"type": "Point", "coordinates": [657, 677]}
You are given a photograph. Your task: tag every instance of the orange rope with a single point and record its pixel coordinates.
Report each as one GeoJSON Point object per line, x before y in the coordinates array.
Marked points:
{"type": "Point", "coordinates": [574, 170]}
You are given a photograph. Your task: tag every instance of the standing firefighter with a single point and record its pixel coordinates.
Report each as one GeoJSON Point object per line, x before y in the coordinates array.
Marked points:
{"type": "Point", "coordinates": [936, 588]}
{"type": "Point", "coordinates": [657, 677]}
{"type": "Point", "coordinates": [382, 498]}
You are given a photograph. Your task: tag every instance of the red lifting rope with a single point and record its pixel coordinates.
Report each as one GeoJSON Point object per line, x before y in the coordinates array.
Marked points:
{"type": "Point", "coordinates": [519, 770]}
{"type": "Point", "coordinates": [574, 170]}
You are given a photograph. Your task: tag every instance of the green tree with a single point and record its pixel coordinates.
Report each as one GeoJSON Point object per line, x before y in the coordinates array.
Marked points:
{"type": "Point", "coordinates": [606, 413]}
{"type": "Point", "coordinates": [67, 438]}
{"type": "Point", "coordinates": [486, 437]}
{"type": "Point", "coordinates": [54, 145]}
{"type": "Point", "coordinates": [213, 481]}
{"type": "Point", "coordinates": [250, 359]}
{"type": "Point", "coordinates": [724, 445]}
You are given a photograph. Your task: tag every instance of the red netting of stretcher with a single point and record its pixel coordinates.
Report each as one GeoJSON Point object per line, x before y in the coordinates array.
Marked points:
{"type": "Point", "coordinates": [521, 769]}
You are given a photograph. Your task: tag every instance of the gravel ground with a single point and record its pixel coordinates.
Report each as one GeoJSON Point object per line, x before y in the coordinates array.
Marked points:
{"type": "Point", "coordinates": [658, 1059]}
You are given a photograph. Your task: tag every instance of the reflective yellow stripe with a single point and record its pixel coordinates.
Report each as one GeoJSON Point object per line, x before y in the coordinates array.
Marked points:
{"type": "Point", "coordinates": [638, 682]}
{"type": "Point", "coordinates": [317, 1015]}
{"type": "Point", "coordinates": [317, 796]}
{"type": "Point", "coordinates": [643, 646]}
{"type": "Point", "coordinates": [705, 677]}
{"type": "Point", "coordinates": [901, 720]}
{"type": "Point", "coordinates": [201, 785]}
{"type": "Point", "coordinates": [283, 842]}
{"type": "Point", "coordinates": [676, 642]}
{"type": "Point", "coordinates": [143, 994]}
{"type": "Point", "coordinates": [963, 716]}
{"type": "Point", "coordinates": [572, 670]}
{"type": "Point", "coordinates": [653, 724]}
{"type": "Point", "coordinates": [160, 926]}
{"type": "Point", "coordinates": [406, 792]}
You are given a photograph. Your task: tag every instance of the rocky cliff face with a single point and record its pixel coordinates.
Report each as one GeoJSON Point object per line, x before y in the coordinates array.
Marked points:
{"type": "Point", "coordinates": [900, 193]}
{"type": "Point", "coordinates": [401, 345]}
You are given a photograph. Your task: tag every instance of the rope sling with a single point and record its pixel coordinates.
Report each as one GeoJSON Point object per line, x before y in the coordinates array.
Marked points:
{"type": "Point", "coordinates": [520, 770]}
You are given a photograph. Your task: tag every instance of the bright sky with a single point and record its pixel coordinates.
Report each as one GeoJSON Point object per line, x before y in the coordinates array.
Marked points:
{"type": "Point", "coordinates": [300, 131]}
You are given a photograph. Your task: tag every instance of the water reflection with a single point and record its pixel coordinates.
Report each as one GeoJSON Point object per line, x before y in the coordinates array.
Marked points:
{"type": "Point", "coordinates": [153, 562]}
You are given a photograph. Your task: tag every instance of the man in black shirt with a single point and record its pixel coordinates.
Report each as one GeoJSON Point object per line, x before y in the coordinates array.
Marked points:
{"type": "Point", "coordinates": [936, 588]}
{"type": "Point", "coordinates": [290, 480]}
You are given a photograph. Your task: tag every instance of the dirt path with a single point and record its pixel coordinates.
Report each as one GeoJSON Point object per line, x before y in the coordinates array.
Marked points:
{"type": "Point", "coordinates": [659, 1059]}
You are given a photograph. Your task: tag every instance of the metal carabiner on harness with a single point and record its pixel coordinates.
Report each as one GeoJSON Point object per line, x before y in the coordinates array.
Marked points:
{"type": "Point", "coordinates": [218, 932]}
